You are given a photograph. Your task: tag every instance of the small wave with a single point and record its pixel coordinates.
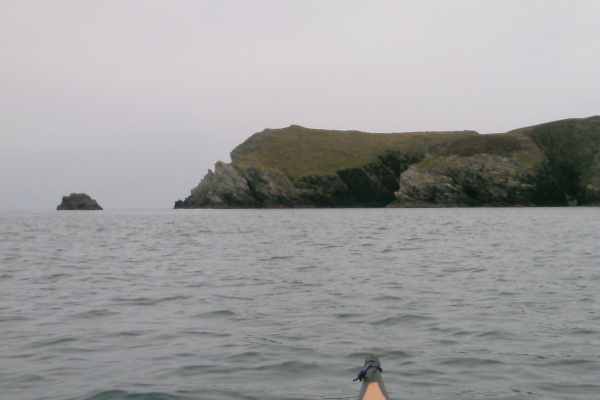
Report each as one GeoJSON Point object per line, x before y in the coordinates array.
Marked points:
{"type": "Point", "coordinates": [216, 314]}
{"type": "Point", "coordinates": [129, 333]}
{"type": "Point", "coordinates": [206, 333]}
{"type": "Point", "coordinates": [462, 333]}
{"type": "Point", "coordinates": [402, 319]}
{"type": "Point", "coordinates": [94, 314]}
{"type": "Point", "coordinates": [54, 342]}
{"type": "Point", "coordinates": [124, 395]}
{"type": "Point", "coordinates": [388, 298]}
{"type": "Point", "coordinates": [71, 350]}
{"type": "Point", "coordinates": [12, 318]}
{"type": "Point", "coordinates": [305, 268]}
{"type": "Point", "coordinates": [145, 301]}
{"type": "Point", "coordinates": [55, 277]}
{"type": "Point", "coordinates": [423, 372]}
{"type": "Point", "coordinates": [572, 389]}
{"type": "Point", "coordinates": [571, 362]}
{"type": "Point", "coordinates": [21, 380]}
{"type": "Point", "coordinates": [200, 369]}
{"type": "Point", "coordinates": [24, 355]}
{"type": "Point", "coordinates": [138, 301]}
{"type": "Point", "coordinates": [229, 297]}
{"type": "Point", "coordinates": [329, 246]}
{"type": "Point", "coordinates": [446, 342]}
{"type": "Point", "coordinates": [470, 362]}
{"type": "Point", "coordinates": [209, 392]}
{"type": "Point", "coordinates": [245, 357]}
{"type": "Point", "coordinates": [495, 335]}
{"type": "Point", "coordinates": [293, 368]}
{"type": "Point", "coordinates": [357, 357]}
{"type": "Point", "coordinates": [276, 258]}
{"type": "Point", "coordinates": [396, 355]}
{"type": "Point", "coordinates": [584, 331]}
{"type": "Point", "coordinates": [172, 298]}
{"type": "Point", "coordinates": [586, 299]}
{"type": "Point", "coordinates": [505, 293]}
{"type": "Point", "coordinates": [349, 315]}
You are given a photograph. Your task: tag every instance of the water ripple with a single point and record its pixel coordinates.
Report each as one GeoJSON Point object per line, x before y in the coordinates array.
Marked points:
{"type": "Point", "coordinates": [286, 304]}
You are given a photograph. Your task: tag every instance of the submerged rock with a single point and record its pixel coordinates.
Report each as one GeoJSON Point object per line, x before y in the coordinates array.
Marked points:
{"type": "Point", "coordinates": [78, 201]}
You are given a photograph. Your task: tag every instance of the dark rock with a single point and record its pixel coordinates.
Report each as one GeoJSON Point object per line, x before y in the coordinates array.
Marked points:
{"type": "Point", "coordinates": [78, 201]}
{"type": "Point", "coordinates": [226, 187]}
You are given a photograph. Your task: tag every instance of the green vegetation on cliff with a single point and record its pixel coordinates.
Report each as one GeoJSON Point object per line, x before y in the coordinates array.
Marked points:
{"type": "Point", "coordinates": [302, 152]}
{"type": "Point", "coordinates": [573, 148]}
{"type": "Point", "coordinates": [501, 144]}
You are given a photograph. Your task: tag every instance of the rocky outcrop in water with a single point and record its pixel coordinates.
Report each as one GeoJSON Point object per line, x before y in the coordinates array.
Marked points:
{"type": "Point", "coordinates": [554, 164]}
{"type": "Point", "coordinates": [78, 201]}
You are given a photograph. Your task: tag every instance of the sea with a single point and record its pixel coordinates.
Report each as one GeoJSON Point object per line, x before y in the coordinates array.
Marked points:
{"type": "Point", "coordinates": [475, 303]}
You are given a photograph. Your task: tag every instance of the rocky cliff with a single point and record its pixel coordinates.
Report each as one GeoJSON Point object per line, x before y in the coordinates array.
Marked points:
{"type": "Point", "coordinates": [572, 147]}
{"type": "Point", "coordinates": [486, 170]}
{"type": "Point", "coordinates": [554, 164]}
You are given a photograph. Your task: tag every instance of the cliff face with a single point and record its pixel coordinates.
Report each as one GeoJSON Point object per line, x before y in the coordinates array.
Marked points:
{"type": "Point", "coordinates": [553, 164]}
{"type": "Point", "coordinates": [231, 186]}
{"type": "Point", "coordinates": [488, 170]}
{"type": "Point", "coordinates": [573, 149]}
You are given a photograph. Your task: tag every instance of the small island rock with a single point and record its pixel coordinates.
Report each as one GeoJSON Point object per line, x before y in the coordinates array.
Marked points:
{"type": "Point", "coordinates": [78, 201]}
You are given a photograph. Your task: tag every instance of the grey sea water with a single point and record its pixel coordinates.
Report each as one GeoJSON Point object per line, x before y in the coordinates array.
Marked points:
{"type": "Point", "coordinates": [285, 304]}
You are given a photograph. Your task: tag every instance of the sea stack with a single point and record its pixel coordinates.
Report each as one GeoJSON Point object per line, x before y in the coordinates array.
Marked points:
{"type": "Point", "coordinates": [78, 201]}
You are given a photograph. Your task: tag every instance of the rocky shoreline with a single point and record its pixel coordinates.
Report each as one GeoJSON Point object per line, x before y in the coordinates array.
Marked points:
{"type": "Point", "coordinates": [553, 164]}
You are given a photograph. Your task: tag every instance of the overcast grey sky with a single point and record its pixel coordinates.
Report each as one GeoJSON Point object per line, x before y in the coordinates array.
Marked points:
{"type": "Point", "coordinates": [133, 101]}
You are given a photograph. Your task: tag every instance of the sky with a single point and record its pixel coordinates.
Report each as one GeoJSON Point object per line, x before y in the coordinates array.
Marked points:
{"type": "Point", "coordinates": [133, 101]}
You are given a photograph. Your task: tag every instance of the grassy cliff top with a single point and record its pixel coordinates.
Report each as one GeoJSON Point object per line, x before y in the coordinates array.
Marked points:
{"type": "Point", "coordinates": [304, 152]}
{"type": "Point", "coordinates": [573, 142]}
{"type": "Point", "coordinates": [502, 144]}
